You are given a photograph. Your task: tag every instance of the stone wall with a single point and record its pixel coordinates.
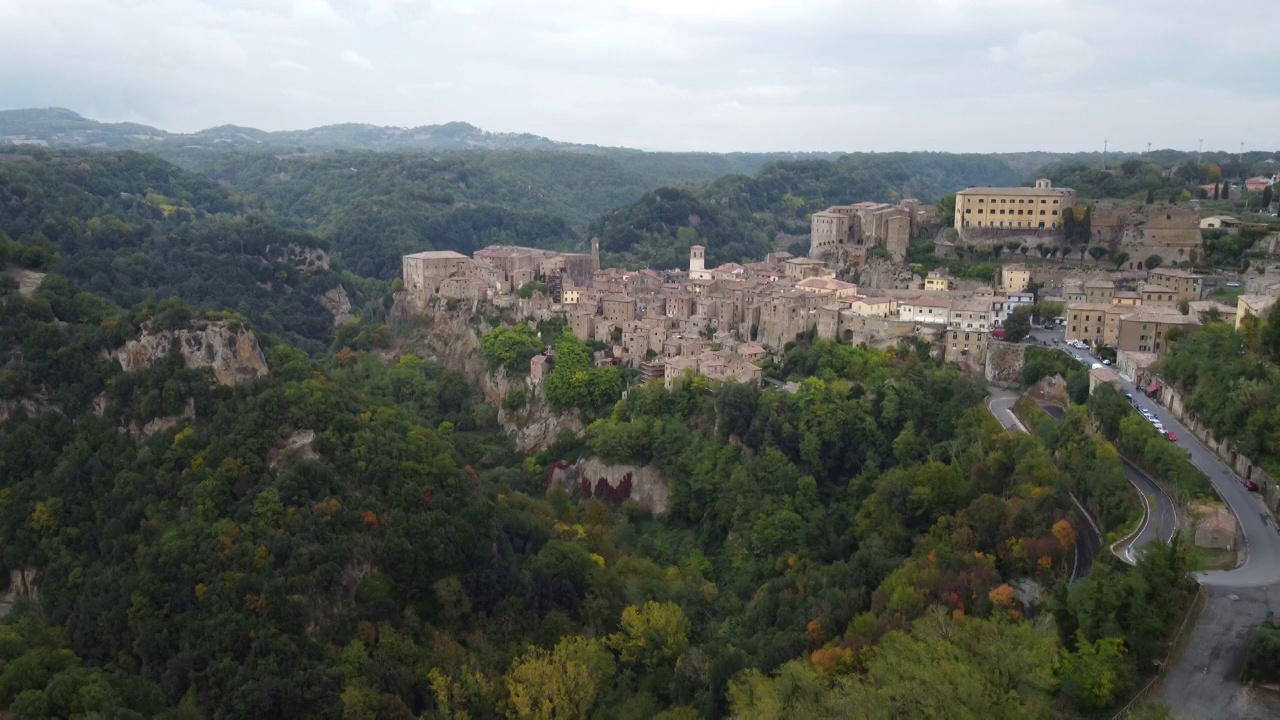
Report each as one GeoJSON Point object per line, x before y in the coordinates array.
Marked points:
{"type": "Point", "coordinates": [1005, 361]}
{"type": "Point", "coordinates": [1052, 389]}
{"type": "Point", "coordinates": [592, 477]}
{"type": "Point", "coordinates": [1243, 465]}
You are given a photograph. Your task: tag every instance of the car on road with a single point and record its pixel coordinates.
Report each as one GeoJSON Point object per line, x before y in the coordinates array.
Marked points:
{"type": "Point", "coordinates": [1251, 486]}
{"type": "Point", "coordinates": [1171, 437]}
{"type": "Point", "coordinates": [1106, 361]}
{"type": "Point", "coordinates": [1128, 395]}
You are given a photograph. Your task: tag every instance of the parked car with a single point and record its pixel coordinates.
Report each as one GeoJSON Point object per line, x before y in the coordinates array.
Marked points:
{"type": "Point", "coordinates": [1171, 437]}
{"type": "Point", "coordinates": [1106, 361]}
{"type": "Point", "coordinates": [1128, 395]}
{"type": "Point", "coordinates": [1251, 486]}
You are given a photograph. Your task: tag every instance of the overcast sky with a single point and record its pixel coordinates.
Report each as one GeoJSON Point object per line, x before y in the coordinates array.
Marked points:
{"type": "Point", "coordinates": [955, 75]}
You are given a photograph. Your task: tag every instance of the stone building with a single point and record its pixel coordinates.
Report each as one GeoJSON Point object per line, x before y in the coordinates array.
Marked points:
{"type": "Point", "coordinates": [1099, 291]}
{"type": "Point", "coordinates": [844, 234]}
{"type": "Point", "coordinates": [619, 309]}
{"type": "Point", "coordinates": [1015, 277]}
{"type": "Point", "coordinates": [422, 272]}
{"type": "Point", "coordinates": [1023, 209]}
{"type": "Point", "coordinates": [1148, 330]}
{"type": "Point", "coordinates": [1188, 286]}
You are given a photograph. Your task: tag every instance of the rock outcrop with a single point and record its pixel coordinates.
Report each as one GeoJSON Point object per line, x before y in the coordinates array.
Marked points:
{"type": "Point", "coordinates": [228, 348]}
{"type": "Point", "coordinates": [449, 332]}
{"type": "Point", "coordinates": [161, 424]}
{"type": "Point", "coordinates": [1004, 363]}
{"type": "Point", "coordinates": [592, 477]}
{"type": "Point", "coordinates": [338, 303]}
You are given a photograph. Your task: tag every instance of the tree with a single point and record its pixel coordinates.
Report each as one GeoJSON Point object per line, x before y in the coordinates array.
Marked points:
{"type": "Point", "coordinates": [1151, 196]}
{"type": "Point", "coordinates": [1226, 189]}
{"type": "Point", "coordinates": [511, 347]}
{"type": "Point", "coordinates": [1018, 325]}
{"type": "Point", "coordinates": [1154, 261]}
{"type": "Point", "coordinates": [557, 685]}
{"type": "Point", "coordinates": [1121, 258]}
{"type": "Point", "coordinates": [1044, 250]}
{"type": "Point", "coordinates": [1023, 249]}
{"type": "Point", "coordinates": [652, 634]}
{"type": "Point", "coordinates": [947, 210]}
{"type": "Point", "coordinates": [1094, 674]}
{"type": "Point", "coordinates": [1097, 252]}
{"type": "Point", "coordinates": [1266, 198]}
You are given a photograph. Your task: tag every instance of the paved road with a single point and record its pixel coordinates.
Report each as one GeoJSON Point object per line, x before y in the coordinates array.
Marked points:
{"type": "Point", "coordinates": [1203, 681]}
{"type": "Point", "coordinates": [1088, 544]}
{"type": "Point", "coordinates": [1160, 513]}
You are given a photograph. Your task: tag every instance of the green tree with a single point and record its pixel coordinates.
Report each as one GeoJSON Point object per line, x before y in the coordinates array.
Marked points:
{"type": "Point", "coordinates": [1095, 673]}
{"type": "Point", "coordinates": [1121, 258]}
{"type": "Point", "coordinates": [1153, 262]}
{"type": "Point", "coordinates": [511, 347]}
{"type": "Point", "coordinates": [1097, 252]}
{"type": "Point", "coordinates": [1151, 197]}
{"type": "Point", "coordinates": [1018, 324]}
{"type": "Point", "coordinates": [947, 210]}
{"type": "Point", "coordinates": [653, 634]}
{"type": "Point", "coordinates": [1267, 197]}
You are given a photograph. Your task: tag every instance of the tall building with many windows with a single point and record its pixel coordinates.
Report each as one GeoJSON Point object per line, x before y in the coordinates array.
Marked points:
{"type": "Point", "coordinates": [1021, 208]}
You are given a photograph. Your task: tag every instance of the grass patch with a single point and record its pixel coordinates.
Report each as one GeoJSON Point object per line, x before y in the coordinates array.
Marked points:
{"type": "Point", "coordinates": [1205, 558]}
{"type": "Point", "coordinates": [1226, 295]}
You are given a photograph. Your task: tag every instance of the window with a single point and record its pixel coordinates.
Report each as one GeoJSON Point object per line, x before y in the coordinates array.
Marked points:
{"type": "Point", "coordinates": [1002, 201]}
{"type": "Point", "coordinates": [1055, 202]}
{"type": "Point", "coordinates": [1041, 212]}
{"type": "Point", "coordinates": [1043, 202]}
{"type": "Point", "coordinates": [969, 210]}
{"type": "Point", "coordinates": [1042, 223]}
{"type": "Point", "coordinates": [1055, 212]}
{"type": "Point", "coordinates": [979, 211]}
{"type": "Point", "coordinates": [980, 200]}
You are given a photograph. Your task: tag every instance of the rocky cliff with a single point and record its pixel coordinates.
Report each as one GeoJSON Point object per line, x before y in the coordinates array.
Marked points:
{"type": "Point", "coordinates": [592, 477]}
{"type": "Point", "coordinates": [226, 347]}
{"type": "Point", "coordinates": [338, 303]}
{"type": "Point", "coordinates": [449, 333]}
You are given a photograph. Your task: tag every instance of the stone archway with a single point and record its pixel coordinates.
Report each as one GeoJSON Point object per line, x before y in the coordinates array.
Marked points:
{"type": "Point", "coordinates": [846, 336]}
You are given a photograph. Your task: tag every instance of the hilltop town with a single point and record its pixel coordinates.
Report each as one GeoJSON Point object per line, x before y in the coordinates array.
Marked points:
{"type": "Point", "coordinates": [723, 321]}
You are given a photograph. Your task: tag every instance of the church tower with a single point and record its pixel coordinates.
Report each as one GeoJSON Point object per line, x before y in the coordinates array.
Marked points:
{"type": "Point", "coordinates": [595, 254]}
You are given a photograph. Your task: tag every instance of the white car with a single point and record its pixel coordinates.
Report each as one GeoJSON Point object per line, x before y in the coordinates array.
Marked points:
{"type": "Point", "coordinates": [1106, 362]}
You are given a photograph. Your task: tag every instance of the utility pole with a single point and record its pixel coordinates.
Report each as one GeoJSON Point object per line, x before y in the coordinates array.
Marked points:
{"type": "Point", "coordinates": [1240, 158]}
{"type": "Point", "coordinates": [1104, 154]}
{"type": "Point", "coordinates": [1199, 150]}
{"type": "Point", "coordinates": [1148, 147]}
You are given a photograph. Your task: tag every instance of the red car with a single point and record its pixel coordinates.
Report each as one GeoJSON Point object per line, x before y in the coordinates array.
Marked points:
{"type": "Point", "coordinates": [1251, 486]}
{"type": "Point", "coordinates": [1171, 437]}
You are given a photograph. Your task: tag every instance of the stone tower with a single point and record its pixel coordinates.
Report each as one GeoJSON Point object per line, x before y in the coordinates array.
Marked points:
{"type": "Point", "coordinates": [697, 259]}
{"type": "Point", "coordinates": [595, 254]}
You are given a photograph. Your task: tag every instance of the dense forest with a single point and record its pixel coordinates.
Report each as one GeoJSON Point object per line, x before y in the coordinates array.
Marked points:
{"type": "Point", "coordinates": [354, 535]}
{"type": "Point", "coordinates": [404, 561]}
{"type": "Point", "coordinates": [1231, 380]}
{"type": "Point", "coordinates": [127, 227]}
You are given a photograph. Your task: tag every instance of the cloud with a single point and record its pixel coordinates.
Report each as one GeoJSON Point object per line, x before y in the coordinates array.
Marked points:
{"type": "Point", "coordinates": [290, 65]}
{"type": "Point", "coordinates": [352, 57]}
{"type": "Point", "coordinates": [669, 74]}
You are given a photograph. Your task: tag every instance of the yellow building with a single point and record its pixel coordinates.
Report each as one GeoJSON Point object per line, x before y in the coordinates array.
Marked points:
{"type": "Point", "coordinates": [1015, 278]}
{"type": "Point", "coordinates": [1034, 208]}
{"type": "Point", "coordinates": [571, 295]}
{"type": "Point", "coordinates": [938, 280]}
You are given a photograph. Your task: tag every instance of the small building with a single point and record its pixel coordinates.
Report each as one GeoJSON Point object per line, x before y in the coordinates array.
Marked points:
{"type": "Point", "coordinates": [539, 367]}
{"type": "Point", "coordinates": [1216, 527]}
{"type": "Point", "coordinates": [1257, 183]}
{"type": "Point", "coordinates": [1219, 222]}
{"type": "Point", "coordinates": [1188, 286]}
{"type": "Point", "coordinates": [1015, 278]}
{"type": "Point", "coordinates": [1104, 376]}
{"type": "Point", "coordinates": [1153, 294]}
{"type": "Point", "coordinates": [1099, 291]}
{"type": "Point", "coordinates": [939, 280]}
{"type": "Point", "coordinates": [1256, 305]}
{"type": "Point", "coordinates": [1087, 322]}
{"type": "Point", "coordinates": [803, 267]}
{"type": "Point", "coordinates": [933, 310]}
{"type": "Point", "coordinates": [828, 287]}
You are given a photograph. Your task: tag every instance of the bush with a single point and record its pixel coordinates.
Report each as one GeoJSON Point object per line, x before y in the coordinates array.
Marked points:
{"type": "Point", "coordinates": [1262, 659]}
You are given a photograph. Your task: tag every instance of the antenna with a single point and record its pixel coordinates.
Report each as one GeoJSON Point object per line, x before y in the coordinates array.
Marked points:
{"type": "Point", "coordinates": [1104, 154]}
{"type": "Point", "coordinates": [1199, 150]}
{"type": "Point", "coordinates": [1148, 146]}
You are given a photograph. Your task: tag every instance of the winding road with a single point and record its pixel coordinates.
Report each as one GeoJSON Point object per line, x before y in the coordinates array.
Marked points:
{"type": "Point", "coordinates": [1204, 680]}
{"type": "Point", "coordinates": [1088, 544]}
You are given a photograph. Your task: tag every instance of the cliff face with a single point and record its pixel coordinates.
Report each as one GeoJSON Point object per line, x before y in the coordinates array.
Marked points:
{"type": "Point", "coordinates": [338, 303]}
{"type": "Point", "coordinates": [231, 351]}
{"type": "Point", "coordinates": [592, 477]}
{"type": "Point", "coordinates": [451, 337]}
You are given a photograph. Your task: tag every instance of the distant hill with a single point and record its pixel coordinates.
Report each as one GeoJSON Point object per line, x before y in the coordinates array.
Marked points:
{"type": "Point", "coordinates": [59, 127]}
